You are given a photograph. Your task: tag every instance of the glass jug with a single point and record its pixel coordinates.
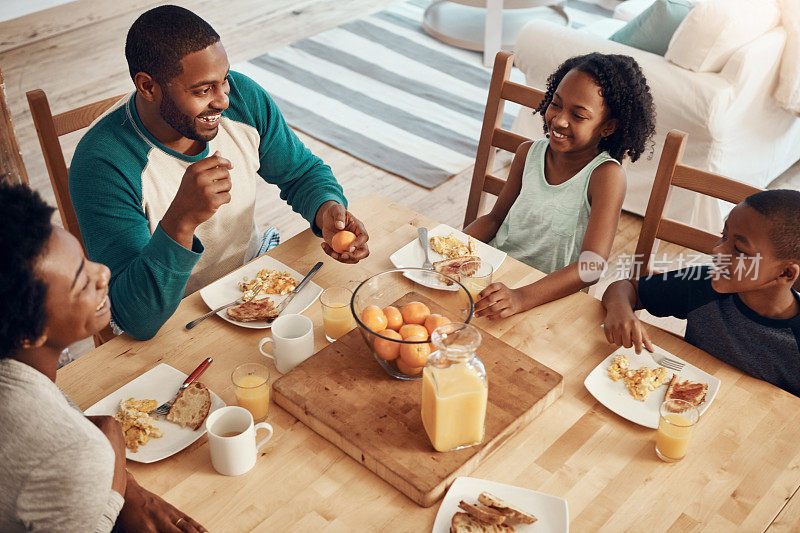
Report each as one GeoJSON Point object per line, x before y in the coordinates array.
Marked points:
{"type": "Point", "coordinates": [454, 389]}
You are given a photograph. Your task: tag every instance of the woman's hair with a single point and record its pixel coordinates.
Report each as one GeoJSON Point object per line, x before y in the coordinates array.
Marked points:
{"type": "Point", "coordinates": [25, 230]}
{"type": "Point", "coordinates": [626, 94]}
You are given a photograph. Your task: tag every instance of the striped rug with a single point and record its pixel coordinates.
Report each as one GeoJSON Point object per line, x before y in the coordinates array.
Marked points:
{"type": "Point", "coordinates": [382, 90]}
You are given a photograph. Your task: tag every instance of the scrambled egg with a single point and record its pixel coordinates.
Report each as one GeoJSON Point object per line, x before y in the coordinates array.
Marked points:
{"type": "Point", "coordinates": [639, 382]}
{"type": "Point", "coordinates": [272, 282]}
{"type": "Point", "coordinates": [137, 424]}
{"type": "Point", "coordinates": [451, 247]}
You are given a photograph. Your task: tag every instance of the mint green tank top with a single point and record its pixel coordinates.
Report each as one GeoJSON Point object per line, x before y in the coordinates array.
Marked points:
{"type": "Point", "coordinates": [545, 226]}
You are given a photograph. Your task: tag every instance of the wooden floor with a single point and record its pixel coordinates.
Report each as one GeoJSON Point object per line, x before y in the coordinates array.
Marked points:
{"type": "Point", "coordinates": [74, 52]}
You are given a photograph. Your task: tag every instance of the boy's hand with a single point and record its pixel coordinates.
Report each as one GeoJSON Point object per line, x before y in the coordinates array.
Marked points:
{"type": "Point", "coordinates": [498, 301]}
{"type": "Point", "coordinates": [624, 329]}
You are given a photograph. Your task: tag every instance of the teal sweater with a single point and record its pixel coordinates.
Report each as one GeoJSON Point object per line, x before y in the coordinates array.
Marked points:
{"type": "Point", "coordinates": [122, 180]}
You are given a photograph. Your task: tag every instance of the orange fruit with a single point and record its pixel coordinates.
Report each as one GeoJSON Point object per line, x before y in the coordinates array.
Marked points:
{"type": "Point", "coordinates": [388, 350]}
{"type": "Point", "coordinates": [434, 321]}
{"type": "Point", "coordinates": [341, 241]}
{"type": "Point", "coordinates": [394, 317]}
{"type": "Point", "coordinates": [415, 355]}
{"type": "Point", "coordinates": [411, 330]}
{"type": "Point", "coordinates": [415, 313]}
{"type": "Point", "coordinates": [408, 370]}
{"type": "Point", "coordinates": [372, 316]}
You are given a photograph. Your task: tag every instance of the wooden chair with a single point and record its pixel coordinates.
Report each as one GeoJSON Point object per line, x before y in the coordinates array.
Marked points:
{"type": "Point", "coordinates": [671, 173]}
{"type": "Point", "coordinates": [493, 135]}
{"type": "Point", "coordinates": [49, 128]}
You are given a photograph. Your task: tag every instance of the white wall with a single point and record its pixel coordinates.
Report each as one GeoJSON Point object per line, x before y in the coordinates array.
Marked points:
{"type": "Point", "coordinates": [10, 9]}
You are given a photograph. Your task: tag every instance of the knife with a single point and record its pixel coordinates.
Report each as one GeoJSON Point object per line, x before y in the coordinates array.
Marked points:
{"type": "Point", "coordinates": [281, 306]}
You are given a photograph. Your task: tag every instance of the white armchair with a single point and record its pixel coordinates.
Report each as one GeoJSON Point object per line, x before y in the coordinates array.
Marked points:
{"type": "Point", "coordinates": [735, 127]}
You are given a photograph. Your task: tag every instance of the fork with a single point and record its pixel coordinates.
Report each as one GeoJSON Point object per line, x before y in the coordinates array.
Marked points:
{"type": "Point", "coordinates": [242, 300]}
{"type": "Point", "coordinates": [164, 408]}
{"type": "Point", "coordinates": [668, 362]}
{"type": "Point", "coordinates": [423, 240]}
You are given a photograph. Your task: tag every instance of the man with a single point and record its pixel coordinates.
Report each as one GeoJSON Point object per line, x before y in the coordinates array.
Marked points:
{"type": "Point", "coordinates": [164, 184]}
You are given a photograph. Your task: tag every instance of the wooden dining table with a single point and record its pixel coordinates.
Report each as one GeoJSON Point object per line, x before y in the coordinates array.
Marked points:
{"type": "Point", "coordinates": [741, 472]}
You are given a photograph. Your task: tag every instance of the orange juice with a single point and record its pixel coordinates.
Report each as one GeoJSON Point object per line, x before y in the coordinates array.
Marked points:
{"type": "Point", "coordinates": [252, 393]}
{"type": "Point", "coordinates": [453, 406]}
{"type": "Point", "coordinates": [474, 287]}
{"type": "Point", "coordinates": [337, 320]}
{"type": "Point", "coordinates": [674, 434]}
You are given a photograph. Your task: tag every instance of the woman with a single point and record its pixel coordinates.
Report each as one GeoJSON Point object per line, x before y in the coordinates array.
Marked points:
{"type": "Point", "coordinates": [59, 470]}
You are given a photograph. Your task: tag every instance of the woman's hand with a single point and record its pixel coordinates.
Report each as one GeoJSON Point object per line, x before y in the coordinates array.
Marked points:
{"type": "Point", "coordinates": [498, 301]}
{"type": "Point", "coordinates": [144, 512]}
{"type": "Point", "coordinates": [624, 329]}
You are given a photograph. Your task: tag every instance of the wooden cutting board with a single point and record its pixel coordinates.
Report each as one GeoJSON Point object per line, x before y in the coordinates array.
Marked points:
{"type": "Point", "coordinates": [345, 396]}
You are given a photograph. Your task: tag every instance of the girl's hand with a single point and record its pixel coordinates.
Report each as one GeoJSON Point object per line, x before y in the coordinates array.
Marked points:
{"type": "Point", "coordinates": [624, 329]}
{"type": "Point", "coordinates": [498, 301]}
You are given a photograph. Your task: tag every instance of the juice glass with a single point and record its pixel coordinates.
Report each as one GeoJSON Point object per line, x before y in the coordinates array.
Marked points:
{"type": "Point", "coordinates": [251, 381]}
{"type": "Point", "coordinates": [337, 318]}
{"type": "Point", "coordinates": [675, 427]}
{"type": "Point", "coordinates": [475, 276]}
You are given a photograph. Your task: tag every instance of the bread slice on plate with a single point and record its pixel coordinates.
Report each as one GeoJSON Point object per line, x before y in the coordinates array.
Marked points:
{"type": "Point", "coordinates": [482, 513]}
{"type": "Point", "coordinates": [451, 267]}
{"type": "Point", "coordinates": [464, 523]}
{"type": "Point", "coordinates": [513, 514]}
{"type": "Point", "coordinates": [263, 309]}
{"type": "Point", "coordinates": [689, 391]}
{"type": "Point", "coordinates": [191, 407]}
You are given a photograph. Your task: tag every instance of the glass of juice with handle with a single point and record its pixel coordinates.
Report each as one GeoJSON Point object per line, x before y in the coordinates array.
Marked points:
{"type": "Point", "coordinates": [676, 422]}
{"type": "Point", "coordinates": [454, 389]}
{"type": "Point", "coordinates": [337, 318]}
{"type": "Point", "coordinates": [251, 381]}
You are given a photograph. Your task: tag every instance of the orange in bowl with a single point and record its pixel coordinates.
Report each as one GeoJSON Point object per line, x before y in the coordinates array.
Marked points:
{"type": "Point", "coordinates": [434, 321]}
{"type": "Point", "coordinates": [415, 313]}
{"type": "Point", "coordinates": [394, 317]}
{"type": "Point", "coordinates": [415, 355]}
{"type": "Point", "coordinates": [372, 316]}
{"type": "Point", "coordinates": [413, 330]}
{"type": "Point", "coordinates": [408, 370]}
{"type": "Point", "coordinates": [387, 350]}
{"type": "Point", "coordinates": [341, 241]}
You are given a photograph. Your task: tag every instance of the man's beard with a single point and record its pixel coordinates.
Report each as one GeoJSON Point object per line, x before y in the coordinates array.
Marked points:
{"type": "Point", "coordinates": [181, 123]}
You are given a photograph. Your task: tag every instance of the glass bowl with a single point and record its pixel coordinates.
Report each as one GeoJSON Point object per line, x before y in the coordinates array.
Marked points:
{"type": "Point", "coordinates": [442, 294]}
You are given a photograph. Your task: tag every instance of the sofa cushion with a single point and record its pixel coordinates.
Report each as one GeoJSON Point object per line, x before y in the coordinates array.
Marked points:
{"type": "Point", "coordinates": [715, 29]}
{"type": "Point", "coordinates": [652, 29]}
{"type": "Point", "coordinates": [788, 91]}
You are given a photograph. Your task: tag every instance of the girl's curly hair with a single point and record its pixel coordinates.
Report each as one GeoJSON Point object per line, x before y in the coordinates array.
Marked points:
{"type": "Point", "coordinates": [626, 93]}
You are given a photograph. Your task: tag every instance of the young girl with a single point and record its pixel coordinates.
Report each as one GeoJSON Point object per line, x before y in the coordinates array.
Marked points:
{"type": "Point", "coordinates": [564, 193]}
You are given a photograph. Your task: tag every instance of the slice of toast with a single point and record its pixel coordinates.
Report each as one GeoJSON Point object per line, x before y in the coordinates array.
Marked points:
{"type": "Point", "coordinates": [464, 523]}
{"type": "Point", "coordinates": [689, 391]}
{"type": "Point", "coordinates": [482, 513]}
{"type": "Point", "coordinates": [513, 514]}
{"type": "Point", "coordinates": [191, 407]}
{"type": "Point", "coordinates": [263, 309]}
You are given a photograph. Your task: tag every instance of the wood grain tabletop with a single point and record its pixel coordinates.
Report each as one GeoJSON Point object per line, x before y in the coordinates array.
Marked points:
{"type": "Point", "coordinates": [742, 469]}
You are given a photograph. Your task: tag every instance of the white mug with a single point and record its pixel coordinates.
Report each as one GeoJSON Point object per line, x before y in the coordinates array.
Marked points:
{"type": "Point", "coordinates": [292, 341]}
{"type": "Point", "coordinates": [232, 439]}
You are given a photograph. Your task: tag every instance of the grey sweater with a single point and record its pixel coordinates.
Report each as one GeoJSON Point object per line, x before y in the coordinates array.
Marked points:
{"type": "Point", "coordinates": [56, 467]}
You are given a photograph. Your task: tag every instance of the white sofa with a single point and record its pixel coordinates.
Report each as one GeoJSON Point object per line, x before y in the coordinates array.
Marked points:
{"type": "Point", "coordinates": [735, 127]}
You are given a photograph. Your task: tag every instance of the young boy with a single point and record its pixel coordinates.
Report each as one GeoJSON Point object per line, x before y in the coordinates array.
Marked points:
{"type": "Point", "coordinates": [742, 310]}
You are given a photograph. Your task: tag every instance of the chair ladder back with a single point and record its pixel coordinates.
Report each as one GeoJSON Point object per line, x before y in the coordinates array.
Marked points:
{"type": "Point", "coordinates": [671, 173]}
{"type": "Point", "coordinates": [493, 135]}
{"type": "Point", "coordinates": [49, 128]}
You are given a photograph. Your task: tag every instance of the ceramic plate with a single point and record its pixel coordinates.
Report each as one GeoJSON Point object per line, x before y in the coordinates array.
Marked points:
{"type": "Point", "coordinates": [412, 255]}
{"type": "Point", "coordinates": [226, 290]}
{"type": "Point", "coordinates": [159, 383]}
{"type": "Point", "coordinates": [616, 397]}
{"type": "Point", "coordinates": [551, 512]}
